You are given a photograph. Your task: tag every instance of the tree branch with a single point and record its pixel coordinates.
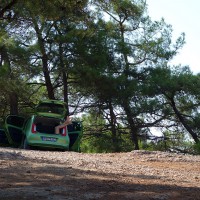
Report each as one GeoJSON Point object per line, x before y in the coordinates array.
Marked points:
{"type": "Point", "coordinates": [7, 7]}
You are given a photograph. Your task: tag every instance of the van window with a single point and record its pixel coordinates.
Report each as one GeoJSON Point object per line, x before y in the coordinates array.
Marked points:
{"type": "Point", "coordinates": [50, 108]}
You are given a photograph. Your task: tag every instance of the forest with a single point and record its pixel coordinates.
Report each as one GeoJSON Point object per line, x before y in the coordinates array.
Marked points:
{"type": "Point", "coordinates": [109, 62]}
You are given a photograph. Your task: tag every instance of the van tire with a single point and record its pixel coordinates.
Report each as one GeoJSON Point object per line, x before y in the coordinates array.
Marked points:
{"type": "Point", "coordinates": [25, 144]}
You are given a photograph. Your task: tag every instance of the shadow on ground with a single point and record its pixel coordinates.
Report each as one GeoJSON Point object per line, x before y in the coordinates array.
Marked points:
{"type": "Point", "coordinates": [22, 178]}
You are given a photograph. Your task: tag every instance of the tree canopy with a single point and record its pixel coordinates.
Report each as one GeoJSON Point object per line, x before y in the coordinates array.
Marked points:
{"type": "Point", "coordinates": [107, 59]}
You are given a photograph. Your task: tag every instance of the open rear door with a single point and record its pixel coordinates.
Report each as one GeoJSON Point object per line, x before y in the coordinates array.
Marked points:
{"type": "Point", "coordinates": [75, 131]}
{"type": "Point", "coordinates": [3, 138]}
{"type": "Point", "coordinates": [14, 129]}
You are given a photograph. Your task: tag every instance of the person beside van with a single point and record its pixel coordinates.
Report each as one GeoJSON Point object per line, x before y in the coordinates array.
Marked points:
{"type": "Point", "coordinates": [65, 123]}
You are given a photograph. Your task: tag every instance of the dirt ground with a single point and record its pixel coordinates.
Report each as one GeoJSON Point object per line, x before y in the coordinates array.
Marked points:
{"type": "Point", "coordinates": [137, 175]}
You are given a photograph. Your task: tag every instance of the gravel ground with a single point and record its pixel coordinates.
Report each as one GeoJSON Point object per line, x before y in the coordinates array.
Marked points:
{"type": "Point", "coordinates": [136, 175]}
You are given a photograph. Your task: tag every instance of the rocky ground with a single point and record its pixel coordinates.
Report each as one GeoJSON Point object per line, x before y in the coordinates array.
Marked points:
{"type": "Point", "coordinates": [137, 175]}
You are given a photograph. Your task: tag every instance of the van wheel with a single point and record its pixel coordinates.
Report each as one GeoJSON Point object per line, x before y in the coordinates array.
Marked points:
{"type": "Point", "coordinates": [25, 144]}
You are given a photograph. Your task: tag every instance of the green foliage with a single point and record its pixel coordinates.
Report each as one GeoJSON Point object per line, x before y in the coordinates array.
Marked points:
{"type": "Point", "coordinates": [98, 144]}
{"type": "Point", "coordinates": [4, 70]}
{"type": "Point", "coordinates": [97, 138]}
{"type": "Point", "coordinates": [102, 143]}
{"type": "Point", "coordinates": [174, 142]}
{"type": "Point", "coordinates": [197, 148]}
{"type": "Point", "coordinates": [114, 68]}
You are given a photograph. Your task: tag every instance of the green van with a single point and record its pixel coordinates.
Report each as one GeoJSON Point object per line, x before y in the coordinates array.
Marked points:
{"type": "Point", "coordinates": [38, 130]}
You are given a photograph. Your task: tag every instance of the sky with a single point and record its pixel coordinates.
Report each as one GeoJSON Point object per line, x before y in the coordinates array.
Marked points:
{"type": "Point", "coordinates": [184, 16]}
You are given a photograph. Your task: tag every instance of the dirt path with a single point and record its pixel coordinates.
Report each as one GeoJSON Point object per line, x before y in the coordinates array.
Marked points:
{"type": "Point", "coordinates": [137, 175]}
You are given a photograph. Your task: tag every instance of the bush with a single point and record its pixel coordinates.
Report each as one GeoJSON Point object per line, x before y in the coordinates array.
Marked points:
{"type": "Point", "coordinates": [103, 143]}
{"type": "Point", "coordinates": [197, 148]}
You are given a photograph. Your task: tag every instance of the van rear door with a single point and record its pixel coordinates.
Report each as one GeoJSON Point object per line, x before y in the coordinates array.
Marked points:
{"type": "Point", "coordinates": [14, 129]}
{"type": "Point", "coordinates": [3, 138]}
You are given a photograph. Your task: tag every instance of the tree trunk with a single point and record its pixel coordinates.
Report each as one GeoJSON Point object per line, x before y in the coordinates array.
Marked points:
{"type": "Point", "coordinates": [133, 128]}
{"type": "Point", "coordinates": [182, 120]}
{"type": "Point", "coordinates": [45, 69]}
{"type": "Point", "coordinates": [64, 77]}
{"type": "Point", "coordinates": [65, 90]}
{"type": "Point", "coordinates": [113, 128]}
{"type": "Point", "coordinates": [13, 97]}
{"type": "Point", "coordinates": [48, 83]}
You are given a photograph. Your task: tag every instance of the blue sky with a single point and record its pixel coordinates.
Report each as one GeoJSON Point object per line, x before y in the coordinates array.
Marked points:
{"type": "Point", "coordinates": [184, 16]}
